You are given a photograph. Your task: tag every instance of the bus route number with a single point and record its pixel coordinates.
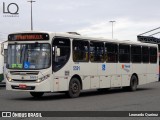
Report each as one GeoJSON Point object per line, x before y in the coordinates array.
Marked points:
{"type": "Point", "coordinates": [76, 68]}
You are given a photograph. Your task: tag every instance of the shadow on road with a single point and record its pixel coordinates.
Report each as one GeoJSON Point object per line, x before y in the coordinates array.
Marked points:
{"type": "Point", "coordinates": [2, 85]}
{"type": "Point", "coordinates": [89, 93]}
{"type": "Point", "coordinates": [110, 91]}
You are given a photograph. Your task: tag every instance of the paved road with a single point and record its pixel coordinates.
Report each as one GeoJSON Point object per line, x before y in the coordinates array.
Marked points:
{"type": "Point", "coordinates": [146, 98]}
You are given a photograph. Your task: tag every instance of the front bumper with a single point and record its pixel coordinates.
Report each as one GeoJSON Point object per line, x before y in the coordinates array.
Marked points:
{"type": "Point", "coordinates": [43, 86]}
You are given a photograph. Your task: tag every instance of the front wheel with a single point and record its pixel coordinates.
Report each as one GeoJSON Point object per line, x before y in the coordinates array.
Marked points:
{"type": "Point", "coordinates": [37, 94]}
{"type": "Point", "coordinates": [74, 88]}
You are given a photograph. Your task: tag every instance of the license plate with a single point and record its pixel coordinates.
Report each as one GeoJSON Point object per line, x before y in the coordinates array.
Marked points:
{"type": "Point", "coordinates": [23, 86]}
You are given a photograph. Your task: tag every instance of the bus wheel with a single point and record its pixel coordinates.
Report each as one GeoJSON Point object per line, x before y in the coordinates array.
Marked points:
{"type": "Point", "coordinates": [37, 94]}
{"type": "Point", "coordinates": [133, 83]}
{"type": "Point", "coordinates": [74, 88]}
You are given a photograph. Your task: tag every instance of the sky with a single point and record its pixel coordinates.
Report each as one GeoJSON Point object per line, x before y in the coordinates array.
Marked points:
{"type": "Point", "coordinates": [87, 17]}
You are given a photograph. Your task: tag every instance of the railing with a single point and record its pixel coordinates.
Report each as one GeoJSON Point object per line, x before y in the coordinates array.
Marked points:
{"type": "Point", "coordinates": [149, 38]}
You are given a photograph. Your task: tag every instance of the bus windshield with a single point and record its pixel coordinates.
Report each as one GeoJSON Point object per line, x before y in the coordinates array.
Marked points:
{"type": "Point", "coordinates": [29, 56]}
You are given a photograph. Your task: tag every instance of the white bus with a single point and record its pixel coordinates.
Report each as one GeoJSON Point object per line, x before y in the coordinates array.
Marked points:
{"type": "Point", "coordinates": [1, 63]}
{"type": "Point", "coordinates": [3, 58]}
{"type": "Point", "coordinates": [40, 62]}
{"type": "Point", "coordinates": [4, 53]}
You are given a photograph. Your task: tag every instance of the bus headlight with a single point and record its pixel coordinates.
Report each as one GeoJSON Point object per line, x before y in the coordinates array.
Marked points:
{"type": "Point", "coordinates": [43, 78]}
{"type": "Point", "coordinates": [9, 79]}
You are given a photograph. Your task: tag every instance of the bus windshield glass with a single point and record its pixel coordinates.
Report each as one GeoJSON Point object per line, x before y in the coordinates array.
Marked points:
{"type": "Point", "coordinates": [29, 56]}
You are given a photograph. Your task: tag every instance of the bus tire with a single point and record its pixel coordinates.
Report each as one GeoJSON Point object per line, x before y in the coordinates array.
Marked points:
{"type": "Point", "coordinates": [133, 83]}
{"type": "Point", "coordinates": [74, 88]}
{"type": "Point", "coordinates": [37, 94]}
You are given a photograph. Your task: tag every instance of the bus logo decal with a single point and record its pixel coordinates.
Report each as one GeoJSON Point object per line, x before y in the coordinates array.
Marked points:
{"type": "Point", "coordinates": [76, 68]}
{"type": "Point", "coordinates": [126, 67]}
{"type": "Point", "coordinates": [103, 67]}
{"type": "Point", "coordinates": [26, 65]}
{"type": "Point", "coordinates": [67, 73]}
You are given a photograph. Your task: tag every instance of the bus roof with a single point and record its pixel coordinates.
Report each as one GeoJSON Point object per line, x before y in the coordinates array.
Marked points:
{"type": "Point", "coordinates": [78, 36]}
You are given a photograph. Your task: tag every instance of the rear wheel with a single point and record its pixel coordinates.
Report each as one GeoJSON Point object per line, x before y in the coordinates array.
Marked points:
{"type": "Point", "coordinates": [74, 88]}
{"type": "Point", "coordinates": [37, 94]}
{"type": "Point", "coordinates": [133, 83]}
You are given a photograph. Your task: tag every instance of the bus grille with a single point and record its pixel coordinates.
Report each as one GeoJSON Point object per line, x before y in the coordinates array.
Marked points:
{"type": "Point", "coordinates": [24, 72]}
{"type": "Point", "coordinates": [24, 80]}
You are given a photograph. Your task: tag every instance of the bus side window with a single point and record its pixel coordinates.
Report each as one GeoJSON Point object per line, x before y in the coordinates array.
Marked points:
{"type": "Point", "coordinates": [111, 52]}
{"type": "Point", "coordinates": [145, 54]}
{"type": "Point", "coordinates": [80, 51]}
{"type": "Point", "coordinates": [136, 54]}
{"type": "Point", "coordinates": [124, 53]}
{"type": "Point", "coordinates": [153, 55]}
{"type": "Point", "coordinates": [96, 51]}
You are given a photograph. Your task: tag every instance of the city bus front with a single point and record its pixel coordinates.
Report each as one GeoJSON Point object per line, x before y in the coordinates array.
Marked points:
{"type": "Point", "coordinates": [29, 62]}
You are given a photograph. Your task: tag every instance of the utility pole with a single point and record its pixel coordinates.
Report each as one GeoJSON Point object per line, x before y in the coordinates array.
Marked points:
{"type": "Point", "coordinates": [112, 27]}
{"type": "Point", "coordinates": [31, 14]}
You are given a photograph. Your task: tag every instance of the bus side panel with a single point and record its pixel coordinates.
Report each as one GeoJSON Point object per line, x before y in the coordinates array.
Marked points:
{"type": "Point", "coordinates": [105, 81]}
{"type": "Point", "coordinates": [94, 75]}
{"type": "Point", "coordinates": [112, 73]}
{"type": "Point", "coordinates": [104, 72]}
{"type": "Point", "coordinates": [61, 78]}
{"type": "Point", "coordinates": [85, 70]}
{"type": "Point", "coordinates": [55, 84]}
{"type": "Point", "coordinates": [86, 82]}
{"type": "Point", "coordinates": [60, 84]}
{"type": "Point", "coordinates": [140, 70]}
{"type": "Point", "coordinates": [126, 80]}
{"type": "Point", "coordinates": [123, 73]}
{"type": "Point", "coordinates": [152, 72]}
{"type": "Point", "coordinates": [63, 83]}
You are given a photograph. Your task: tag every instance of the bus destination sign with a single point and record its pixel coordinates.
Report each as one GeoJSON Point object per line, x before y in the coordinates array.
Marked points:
{"type": "Point", "coordinates": [28, 36]}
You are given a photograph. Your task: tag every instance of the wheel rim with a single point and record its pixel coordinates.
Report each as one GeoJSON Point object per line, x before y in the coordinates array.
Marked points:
{"type": "Point", "coordinates": [74, 88]}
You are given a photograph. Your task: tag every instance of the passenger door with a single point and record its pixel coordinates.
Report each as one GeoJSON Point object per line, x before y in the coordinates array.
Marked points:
{"type": "Point", "coordinates": [61, 54]}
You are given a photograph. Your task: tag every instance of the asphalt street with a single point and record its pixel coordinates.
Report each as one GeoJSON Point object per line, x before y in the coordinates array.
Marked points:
{"type": "Point", "coordinates": [146, 98]}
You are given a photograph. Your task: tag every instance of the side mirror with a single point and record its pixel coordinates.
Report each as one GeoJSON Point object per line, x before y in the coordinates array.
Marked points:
{"type": "Point", "coordinates": [58, 52]}
{"type": "Point", "coordinates": [2, 49]}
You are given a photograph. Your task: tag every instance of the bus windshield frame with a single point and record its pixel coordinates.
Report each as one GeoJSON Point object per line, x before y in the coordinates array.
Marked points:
{"type": "Point", "coordinates": [29, 56]}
